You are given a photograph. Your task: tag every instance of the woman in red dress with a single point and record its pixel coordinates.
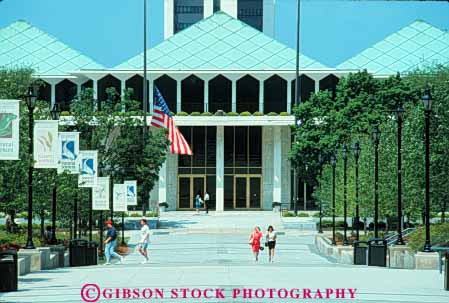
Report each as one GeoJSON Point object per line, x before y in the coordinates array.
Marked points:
{"type": "Point", "coordinates": [254, 241]}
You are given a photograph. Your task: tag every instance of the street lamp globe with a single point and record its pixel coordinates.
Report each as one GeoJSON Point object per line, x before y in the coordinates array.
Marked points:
{"type": "Point", "coordinates": [31, 97]}
{"type": "Point", "coordinates": [345, 152]}
{"type": "Point", "coordinates": [333, 160]}
{"type": "Point", "coordinates": [357, 149]}
{"type": "Point", "coordinates": [376, 133]}
{"type": "Point", "coordinates": [399, 112]}
{"type": "Point", "coordinates": [427, 100]}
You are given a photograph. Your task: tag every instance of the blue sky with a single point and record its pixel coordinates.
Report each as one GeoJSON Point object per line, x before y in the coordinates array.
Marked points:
{"type": "Point", "coordinates": [110, 31]}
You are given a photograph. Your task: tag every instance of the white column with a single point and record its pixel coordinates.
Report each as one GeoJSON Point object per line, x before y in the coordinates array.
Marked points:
{"type": "Point", "coordinates": [178, 95]}
{"type": "Point", "coordinates": [95, 93]}
{"type": "Point", "coordinates": [53, 94]}
{"type": "Point", "coordinates": [122, 89]}
{"type": "Point", "coordinates": [206, 95]}
{"type": "Point", "coordinates": [208, 9]}
{"type": "Point", "coordinates": [234, 95]}
{"type": "Point", "coordinates": [261, 95]}
{"type": "Point", "coordinates": [150, 95]}
{"type": "Point", "coordinates": [289, 96]}
{"type": "Point", "coordinates": [168, 18]}
{"type": "Point", "coordinates": [229, 7]}
{"type": "Point", "coordinates": [163, 183]}
{"type": "Point", "coordinates": [79, 88]}
{"type": "Point", "coordinates": [219, 194]}
{"type": "Point", "coordinates": [277, 164]}
{"type": "Point", "coordinates": [269, 17]}
{"type": "Point", "coordinates": [317, 85]}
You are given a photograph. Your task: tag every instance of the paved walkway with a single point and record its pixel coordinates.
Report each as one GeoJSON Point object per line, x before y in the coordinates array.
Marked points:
{"type": "Point", "coordinates": [183, 256]}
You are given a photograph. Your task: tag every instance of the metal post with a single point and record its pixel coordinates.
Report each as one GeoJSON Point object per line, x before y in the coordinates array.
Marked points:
{"type": "Point", "coordinates": [145, 90]}
{"type": "Point", "coordinates": [333, 205]}
{"type": "Point", "coordinates": [427, 245]}
{"type": "Point", "coordinates": [75, 215]}
{"type": "Point", "coordinates": [357, 215]}
{"type": "Point", "coordinates": [100, 252]}
{"type": "Point", "coordinates": [376, 188]}
{"type": "Point", "coordinates": [53, 215]}
{"type": "Point", "coordinates": [30, 244]}
{"type": "Point", "coordinates": [400, 241]}
{"type": "Point", "coordinates": [320, 230]}
{"type": "Point", "coordinates": [345, 200]}
{"type": "Point", "coordinates": [297, 101]}
{"type": "Point", "coordinates": [90, 214]}
{"type": "Point", "coordinates": [123, 228]}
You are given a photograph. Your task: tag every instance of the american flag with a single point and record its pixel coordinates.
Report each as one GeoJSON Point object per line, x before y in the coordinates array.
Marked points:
{"type": "Point", "coordinates": [162, 118]}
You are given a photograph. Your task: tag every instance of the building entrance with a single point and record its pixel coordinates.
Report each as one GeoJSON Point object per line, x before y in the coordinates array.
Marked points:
{"type": "Point", "coordinates": [247, 192]}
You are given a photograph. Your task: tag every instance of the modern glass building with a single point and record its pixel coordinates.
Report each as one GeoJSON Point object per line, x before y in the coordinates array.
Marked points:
{"type": "Point", "coordinates": [231, 87]}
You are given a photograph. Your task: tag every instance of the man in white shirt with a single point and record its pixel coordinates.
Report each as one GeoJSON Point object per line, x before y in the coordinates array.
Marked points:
{"type": "Point", "coordinates": [206, 201]}
{"type": "Point", "coordinates": [144, 239]}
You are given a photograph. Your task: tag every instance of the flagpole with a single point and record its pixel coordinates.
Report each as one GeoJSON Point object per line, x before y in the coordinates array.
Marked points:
{"type": "Point", "coordinates": [145, 94]}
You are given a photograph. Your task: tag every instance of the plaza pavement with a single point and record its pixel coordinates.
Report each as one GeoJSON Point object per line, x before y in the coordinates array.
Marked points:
{"type": "Point", "coordinates": [199, 251]}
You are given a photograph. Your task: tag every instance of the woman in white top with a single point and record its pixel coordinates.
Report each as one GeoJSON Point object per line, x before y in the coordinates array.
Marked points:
{"type": "Point", "coordinates": [271, 242]}
{"type": "Point", "coordinates": [144, 239]}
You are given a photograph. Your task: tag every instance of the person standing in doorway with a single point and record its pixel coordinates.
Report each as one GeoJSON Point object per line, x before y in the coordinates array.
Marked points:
{"type": "Point", "coordinates": [144, 239]}
{"type": "Point", "coordinates": [198, 202]}
{"type": "Point", "coordinates": [254, 241]}
{"type": "Point", "coordinates": [111, 239]}
{"type": "Point", "coordinates": [271, 242]}
{"type": "Point", "coordinates": [206, 201]}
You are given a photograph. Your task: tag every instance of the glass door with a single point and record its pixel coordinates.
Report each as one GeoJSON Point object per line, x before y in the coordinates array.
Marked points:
{"type": "Point", "coordinates": [240, 195]}
{"type": "Point", "coordinates": [254, 192]}
{"type": "Point", "coordinates": [188, 187]}
{"type": "Point", "coordinates": [198, 188]}
{"type": "Point", "coordinates": [184, 192]}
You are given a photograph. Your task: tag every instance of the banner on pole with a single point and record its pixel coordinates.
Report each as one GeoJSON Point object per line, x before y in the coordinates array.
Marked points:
{"type": "Point", "coordinates": [68, 152]}
{"type": "Point", "coordinates": [119, 199]}
{"type": "Point", "coordinates": [100, 194]}
{"type": "Point", "coordinates": [131, 192]}
{"type": "Point", "coordinates": [88, 168]}
{"type": "Point", "coordinates": [45, 144]}
{"type": "Point", "coordinates": [9, 129]}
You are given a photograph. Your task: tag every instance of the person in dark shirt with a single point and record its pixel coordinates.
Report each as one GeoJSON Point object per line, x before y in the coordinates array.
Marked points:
{"type": "Point", "coordinates": [110, 242]}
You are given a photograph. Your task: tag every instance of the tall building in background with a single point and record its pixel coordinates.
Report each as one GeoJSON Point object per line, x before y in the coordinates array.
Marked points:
{"type": "Point", "coordinates": [180, 14]}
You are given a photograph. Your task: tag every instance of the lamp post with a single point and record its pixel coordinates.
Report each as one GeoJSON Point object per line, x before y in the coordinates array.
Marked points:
{"type": "Point", "coordinates": [30, 99]}
{"type": "Point", "coordinates": [376, 137]}
{"type": "Point", "coordinates": [399, 119]}
{"type": "Point", "coordinates": [333, 163]}
{"type": "Point", "coordinates": [55, 113]}
{"type": "Point", "coordinates": [321, 162]}
{"type": "Point", "coordinates": [145, 99]}
{"type": "Point", "coordinates": [427, 101]}
{"type": "Point", "coordinates": [345, 195]}
{"type": "Point", "coordinates": [75, 215]}
{"type": "Point", "coordinates": [357, 151]}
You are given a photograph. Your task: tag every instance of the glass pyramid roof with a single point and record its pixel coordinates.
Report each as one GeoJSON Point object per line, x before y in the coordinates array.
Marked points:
{"type": "Point", "coordinates": [417, 45]}
{"type": "Point", "coordinates": [220, 42]}
{"type": "Point", "coordinates": [23, 45]}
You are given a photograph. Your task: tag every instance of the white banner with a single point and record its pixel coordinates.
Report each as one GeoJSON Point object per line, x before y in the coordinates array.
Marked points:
{"type": "Point", "coordinates": [119, 199]}
{"type": "Point", "coordinates": [45, 144]}
{"type": "Point", "coordinates": [9, 129]}
{"type": "Point", "coordinates": [100, 194]}
{"type": "Point", "coordinates": [131, 192]}
{"type": "Point", "coordinates": [68, 152]}
{"type": "Point", "coordinates": [88, 168]}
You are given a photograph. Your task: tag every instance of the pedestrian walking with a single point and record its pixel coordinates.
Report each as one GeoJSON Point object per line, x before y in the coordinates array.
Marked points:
{"type": "Point", "coordinates": [198, 202]}
{"type": "Point", "coordinates": [254, 241]}
{"type": "Point", "coordinates": [144, 239]}
{"type": "Point", "coordinates": [206, 201]}
{"type": "Point", "coordinates": [271, 243]}
{"type": "Point", "coordinates": [111, 239]}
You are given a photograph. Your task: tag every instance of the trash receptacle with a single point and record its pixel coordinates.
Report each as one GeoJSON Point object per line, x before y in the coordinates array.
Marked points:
{"type": "Point", "coordinates": [377, 252]}
{"type": "Point", "coordinates": [360, 252]}
{"type": "Point", "coordinates": [91, 253]}
{"type": "Point", "coordinates": [78, 250]}
{"type": "Point", "coordinates": [8, 270]}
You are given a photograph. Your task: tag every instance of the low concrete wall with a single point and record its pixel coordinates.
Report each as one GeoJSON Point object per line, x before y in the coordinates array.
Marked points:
{"type": "Point", "coordinates": [402, 257]}
{"type": "Point", "coordinates": [426, 260]}
{"type": "Point", "coordinates": [35, 256]}
{"type": "Point", "coordinates": [66, 259]}
{"type": "Point", "coordinates": [23, 266]}
{"type": "Point", "coordinates": [59, 250]}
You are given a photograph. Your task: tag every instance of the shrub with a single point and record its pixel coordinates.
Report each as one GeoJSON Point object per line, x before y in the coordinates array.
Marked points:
{"type": "Point", "coordinates": [65, 113]}
{"type": "Point", "coordinates": [303, 215]}
{"type": "Point", "coordinates": [206, 114]}
{"type": "Point", "coordinates": [286, 213]}
{"type": "Point", "coordinates": [258, 114]}
{"type": "Point", "coordinates": [439, 235]}
{"type": "Point", "coordinates": [232, 114]}
{"type": "Point", "coordinates": [245, 114]}
{"type": "Point", "coordinates": [182, 114]}
{"type": "Point", "coordinates": [272, 114]}
{"type": "Point", "coordinates": [316, 215]}
{"type": "Point", "coordinates": [195, 114]}
{"type": "Point", "coordinates": [284, 114]}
